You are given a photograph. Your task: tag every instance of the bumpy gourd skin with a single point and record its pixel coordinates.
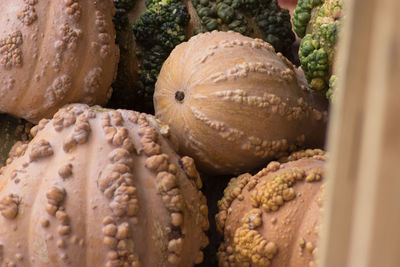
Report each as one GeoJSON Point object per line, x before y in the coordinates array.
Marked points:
{"type": "Point", "coordinates": [54, 53]}
{"type": "Point", "coordinates": [11, 131]}
{"type": "Point", "coordinates": [317, 22]}
{"type": "Point", "coordinates": [302, 15]}
{"type": "Point", "coordinates": [272, 218]}
{"type": "Point", "coordinates": [99, 187]}
{"type": "Point", "coordinates": [165, 24]}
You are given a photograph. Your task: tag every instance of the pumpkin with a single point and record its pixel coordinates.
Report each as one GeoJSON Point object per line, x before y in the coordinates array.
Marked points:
{"type": "Point", "coordinates": [235, 104]}
{"type": "Point", "coordinates": [11, 131]}
{"type": "Point", "coordinates": [53, 53]}
{"type": "Point", "coordinates": [99, 187]}
{"type": "Point", "coordinates": [159, 26]}
{"type": "Point", "coordinates": [272, 218]}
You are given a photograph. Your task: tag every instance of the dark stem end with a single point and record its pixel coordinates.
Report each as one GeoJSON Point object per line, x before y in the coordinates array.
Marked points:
{"type": "Point", "coordinates": [179, 96]}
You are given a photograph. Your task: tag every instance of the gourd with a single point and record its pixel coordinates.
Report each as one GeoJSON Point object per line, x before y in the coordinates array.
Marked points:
{"type": "Point", "coordinates": [99, 187]}
{"type": "Point", "coordinates": [54, 53]}
{"type": "Point", "coordinates": [272, 218]}
{"type": "Point", "coordinates": [234, 104]}
{"type": "Point", "coordinates": [12, 130]}
{"type": "Point", "coordinates": [159, 26]}
{"type": "Point", "coordinates": [318, 23]}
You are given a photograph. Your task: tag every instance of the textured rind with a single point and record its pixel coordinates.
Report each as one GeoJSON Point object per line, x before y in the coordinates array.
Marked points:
{"type": "Point", "coordinates": [302, 15]}
{"type": "Point", "coordinates": [100, 187]}
{"type": "Point", "coordinates": [318, 23]}
{"type": "Point", "coordinates": [286, 236]}
{"type": "Point", "coordinates": [12, 130]}
{"type": "Point", "coordinates": [243, 103]}
{"type": "Point", "coordinates": [52, 54]}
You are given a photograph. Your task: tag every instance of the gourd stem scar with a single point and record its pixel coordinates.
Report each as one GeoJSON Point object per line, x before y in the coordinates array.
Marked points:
{"type": "Point", "coordinates": [179, 96]}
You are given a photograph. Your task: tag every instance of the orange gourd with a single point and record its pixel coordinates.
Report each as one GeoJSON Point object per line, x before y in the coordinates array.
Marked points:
{"type": "Point", "coordinates": [100, 187]}
{"type": "Point", "coordinates": [234, 104]}
{"type": "Point", "coordinates": [273, 218]}
{"type": "Point", "coordinates": [53, 53]}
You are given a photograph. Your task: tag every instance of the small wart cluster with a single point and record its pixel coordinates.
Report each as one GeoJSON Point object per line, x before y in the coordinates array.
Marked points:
{"type": "Point", "coordinates": [212, 124]}
{"type": "Point", "coordinates": [267, 148]}
{"type": "Point", "coordinates": [93, 82]}
{"type": "Point", "coordinates": [9, 206]}
{"type": "Point", "coordinates": [59, 89]}
{"type": "Point", "coordinates": [72, 9]}
{"type": "Point", "coordinates": [65, 119]}
{"type": "Point", "coordinates": [252, 43]}
{"type": "Point", "coordinates": [55, 197]}
{"type": "Point", "coordinates": [68, 37]}
{"type": "Point", "coordinates": [40, 149]}
{"type": "Point", "coordinates": [118, 238]}
{"type": "Point", "coordinates": [271, 104]}
{"type": "Point", "coordinates": [307, 247]}
{"type": "Point", "coordinates": [242, 70]}
{"type": "Point", "coordinates": [10, 51]}
{"type": "Point", "coordinates": [28, 14]}
{"type": "Point", "coordinates": [56, 208]}
{"type": "Point", "coordinates": [250, 246]}
{"type": "Point", "coordinates": [168, 188]}
{"type": "Point", "coordinates": [272, 193]}
{"type": "Point", "coordinates": [104, 37]}
{"type": "Point", "coordinates": [308, 153]}
{"type": "Point", "coordinates": [80, 134]}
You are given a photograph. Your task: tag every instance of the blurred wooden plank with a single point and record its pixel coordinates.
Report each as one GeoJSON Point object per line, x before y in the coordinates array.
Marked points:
{"type": "Point", "coordinates": [375, 238]}
{"type": "Point", "coordinates": [345, 131]}
{"type": "Point", "coordinates": [361, 222]}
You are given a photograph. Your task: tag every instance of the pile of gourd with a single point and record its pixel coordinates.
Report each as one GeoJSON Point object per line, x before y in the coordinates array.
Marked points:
{"type": "Point", "coordinates": [94, 186]}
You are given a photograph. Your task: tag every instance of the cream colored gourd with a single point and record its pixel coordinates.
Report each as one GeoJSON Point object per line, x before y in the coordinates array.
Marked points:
{"type": "Point", "coordinates": [234, 104]}
{"type": "Point", "coordinates": [101, 188]}
{"type": "Point", "coordinates": [273, 218]}
{"type": "Point", "coordinates": [53, 53]}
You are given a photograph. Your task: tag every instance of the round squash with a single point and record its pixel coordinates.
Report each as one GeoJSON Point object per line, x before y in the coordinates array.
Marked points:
{"type": "Point", "coordinates": [53, 53]}
{"type": "Point", "coordinates": [235, 104]}
{"type": "Point", "coordinates": [158, 26]}
{"type": "Point", "coordinates": [100, 187]}
{"type": "Point", "coordinates": [272, 218]}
